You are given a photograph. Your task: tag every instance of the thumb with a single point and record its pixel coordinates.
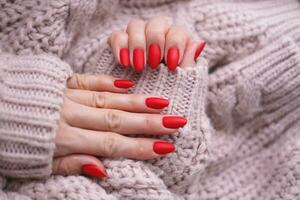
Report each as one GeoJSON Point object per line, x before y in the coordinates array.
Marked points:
{"type": "Point", "coordinates": [78, 164]}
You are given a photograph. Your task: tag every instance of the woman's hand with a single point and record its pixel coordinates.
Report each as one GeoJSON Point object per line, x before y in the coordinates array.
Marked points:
{"type": "Point", "coordinates": [159, 40]}
{"type": "Point", "coordinates": [97, 119]}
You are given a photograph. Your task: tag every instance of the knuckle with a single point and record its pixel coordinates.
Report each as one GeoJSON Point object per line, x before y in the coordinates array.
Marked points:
{"type": "Point", "coordinates": [69, 92]}
{"type": "Point", "coordinates": [178, 32]}
{"type": "Point", "coordinates": [159, 23]}
{"type": "Point", "coordinates": [67, 113]}
{"type": "Point", "coordinates": [110, 146]}
{"type": "Point", "coordinates": [63, 146]}
{"type": "Point", "coordinates": [177, 39]}
{"type": "Point", "coordinates": [138, 40]}
{"type": "Point", "coordinates": [134, 22]}
{"type": "Point", "coordinates": [156, 19]}
{"type": "Point", "coordinates": [140, 151]}
{"type": "Point", "coordinates": [80, 81]}
{"type": "Point", "coordinates": [98, 100]}
{"type": "Point", "coordinates": [63, 167]}
{"type": "Point", "coordinates": [147, 122]}
{"type": "Point", "coordinates": [178, 29]}
{"type": "Point", "coordinates": [113, 120]}
{"type": "Point", "coordinates": [114, 34]}
{"type": "Point", "coordinates": [133, 100]}
{"type": "Point", "coordinates": [156, 36]}
{"type": "Point", "coordinates": [118, 36]}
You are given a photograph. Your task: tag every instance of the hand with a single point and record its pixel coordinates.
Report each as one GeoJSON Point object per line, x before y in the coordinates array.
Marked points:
{"type": "Point", "coordinates": [173, 43]}
{"type": "Point", "coordinates": [97, 118]}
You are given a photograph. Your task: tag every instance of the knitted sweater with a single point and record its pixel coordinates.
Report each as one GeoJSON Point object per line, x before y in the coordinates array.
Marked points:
{"type": "Point", "coordinates": [242, 99]}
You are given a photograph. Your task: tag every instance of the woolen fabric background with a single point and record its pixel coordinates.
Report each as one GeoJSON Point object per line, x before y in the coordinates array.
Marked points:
{"type": "Point", "coordinates": [242, 99]}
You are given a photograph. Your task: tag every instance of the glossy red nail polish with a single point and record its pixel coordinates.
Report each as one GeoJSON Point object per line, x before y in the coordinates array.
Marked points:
{"type": "Point", "coordinates": [93, 170]}
{"type": "Point", "coordinates": [156, 103]}
{"type": "Point", "coordinates": [123, 83]}
{"type": "Point", "coordinates": [138, 59]}
{"type": "Point", "coordinates": [124, 57]}
{"type": "Point", "coordinates": [172, 58]}
{"type": "Point", "coordinates": [199, 50]}
{"type": "Point", "coordinates": [162, 147]}
{"type": "Point", "coordinates": [174, 121]}
{"type": "Point", "coordinates": [154, 56]}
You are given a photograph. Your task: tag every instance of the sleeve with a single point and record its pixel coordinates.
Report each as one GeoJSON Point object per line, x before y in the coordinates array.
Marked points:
{"type": "Point", "coordinates": [254, 107]}
{"type": "Point", "coordinates": [31, 98]}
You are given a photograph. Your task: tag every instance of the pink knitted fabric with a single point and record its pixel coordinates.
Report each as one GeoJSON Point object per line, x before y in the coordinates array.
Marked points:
{"type": "Point", "coordinates": [242, 99]}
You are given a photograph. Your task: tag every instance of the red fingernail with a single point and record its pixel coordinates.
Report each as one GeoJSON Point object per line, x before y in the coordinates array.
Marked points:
{"type": "Point", "coordinates": [174, 121]}
{"type": "Point", "coordinates": [154, 56]}
{"type": "Point", "coordinates": [138, 59]}
{"type": "Point", "coordinates": [124, 57]}
{"type": "Point", "coordinates": [93, 170]}
{"type": "Point", "coordinates": [199, 50]}
{"type": "Point", "coordinates": [172, 58]}
{"type": "Point", "coordinates": [123, 83]}
{"type": "Point", "coordinates": [162, 147]}
{"type": "Point", "coordinates": [156, 103]}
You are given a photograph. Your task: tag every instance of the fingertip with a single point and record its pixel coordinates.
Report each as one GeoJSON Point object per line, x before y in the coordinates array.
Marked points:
{"type": "Point", "coordinates": [124, 57]}
{"type": "Point", "coordinates": [162, 147]}
{"type": "Point", "coordinates": [118, 41]}
{"type": "Point", "coordinates": [93, 170]}
{"type": "Point", "coordinates": [173, 55]}
{"type": "Point", "coordinates": [154, 55]}
{"type": "Point", "coordinates": [79, 164]}
{"type": "Point", "coordinates": [123, 83]}
{"type": "Point", "coordinates": [176, 42]}
{"type": "Point", "coordinates": [138, 59]}
{"type": "Point", "coordinates": [193, 51]}
{"type": "Point", "coordinates": [199, 49]}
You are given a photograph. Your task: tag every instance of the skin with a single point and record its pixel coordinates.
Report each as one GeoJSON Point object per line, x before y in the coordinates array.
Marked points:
{"type": "Point", "coordinates": [97, 113]}
{"type": "Point", "coordinates": [141, 34]}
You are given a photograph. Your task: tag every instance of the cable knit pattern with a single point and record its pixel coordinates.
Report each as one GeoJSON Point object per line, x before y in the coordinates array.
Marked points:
{"type": "Point", "coordinates": [242, 140]}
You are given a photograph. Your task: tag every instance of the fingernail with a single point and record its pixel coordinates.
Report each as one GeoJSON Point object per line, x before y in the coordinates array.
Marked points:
{"type": "Point", "coordinates": [162, 147]}
{"type": "Point", "coordinates": [154, 56]}
{"type": "Point", "coordinates": [124, 57]}
{"type": "Point", "coordinates": [156, 103]}
{"type": "Point", "coordinates": [123, 83]}
{"type": "Point", "coordinates": [93, 170]}
{"type": "Point", "coordinates": [172, 58]}
{"type": "Point", "coordinates": [174, 121]}
{"type": "Point", "coordinates": [199, 50]}
{"type": "Point", "coordinates": [138, 59]}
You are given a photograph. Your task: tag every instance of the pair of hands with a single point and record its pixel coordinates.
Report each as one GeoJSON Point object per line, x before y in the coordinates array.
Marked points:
{"type": "Point", "coordinates": [98, 115]}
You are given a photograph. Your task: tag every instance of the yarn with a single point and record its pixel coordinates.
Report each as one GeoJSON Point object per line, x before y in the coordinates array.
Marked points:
{"type": "Point", "coordinates": [241, 99]}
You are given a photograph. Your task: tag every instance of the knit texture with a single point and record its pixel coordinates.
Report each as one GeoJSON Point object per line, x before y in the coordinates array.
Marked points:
{"type": "Point", "coordinates": [242, 99]}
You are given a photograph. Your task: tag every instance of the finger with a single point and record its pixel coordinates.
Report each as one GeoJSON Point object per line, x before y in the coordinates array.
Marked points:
{"type": "Point", "coordinates": [156, 30]}
{"type": "Point", "coordinates": [119, 43]}
{"type": "Point", "coordinates": [78, 164]}
{"type": "Point", "coordinates": [137, 43]}
{"type": "Point", "coordinates": [191, 53]}
{"type": "Point", "coordinates": [126, 102]}
{"type": "Point", "coordinates": [99, 83]}
{"type": "Point", "coordinates": [78, 115]}
{"type": "Point", "coordinates": [176, 41]}
{"type": "Point", "coordinates": [112, 145]}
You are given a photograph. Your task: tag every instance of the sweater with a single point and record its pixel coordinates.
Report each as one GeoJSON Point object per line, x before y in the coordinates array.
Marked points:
{"type": "Point", "coordinates": [242, 99]}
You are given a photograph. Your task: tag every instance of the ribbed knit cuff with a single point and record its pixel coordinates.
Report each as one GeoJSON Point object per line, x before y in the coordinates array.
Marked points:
{"type": "Point", "coordinates": [31, 98]}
